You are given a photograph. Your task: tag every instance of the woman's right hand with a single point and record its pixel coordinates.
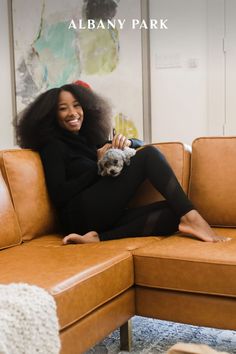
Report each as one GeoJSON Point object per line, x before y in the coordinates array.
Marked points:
{"type": "Point", "coordinates": [103, 150]}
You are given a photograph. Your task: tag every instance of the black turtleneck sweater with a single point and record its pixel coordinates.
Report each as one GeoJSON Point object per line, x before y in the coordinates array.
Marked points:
{"type": "Point", "coordinates": [70, 166]}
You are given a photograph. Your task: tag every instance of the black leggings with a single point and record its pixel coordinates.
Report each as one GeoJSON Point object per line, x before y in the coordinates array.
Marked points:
{"type": "Point", "coordinates": [103, 206]}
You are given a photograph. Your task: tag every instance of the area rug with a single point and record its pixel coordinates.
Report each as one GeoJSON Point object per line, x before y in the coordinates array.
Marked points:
{"type": "Point", "coordinates": [155, 337]}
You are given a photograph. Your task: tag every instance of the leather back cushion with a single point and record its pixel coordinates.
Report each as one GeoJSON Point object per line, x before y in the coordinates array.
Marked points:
{"type": "Point", "coordinates": [213, 179]}
{"type": "Point", "coordinates": [9, 231]}
{"type": "Point", "coordinates": [178, 155]}
{"type": "Point", "coordinates": [23, 172]}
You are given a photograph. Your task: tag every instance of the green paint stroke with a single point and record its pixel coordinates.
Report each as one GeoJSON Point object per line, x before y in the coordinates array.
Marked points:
{"type": "Point", "coordinates": [58, 53]}
{"type": "Point", "coordinates": [99, 50]}
{"type": "Point", "coordinates": [125, 126]}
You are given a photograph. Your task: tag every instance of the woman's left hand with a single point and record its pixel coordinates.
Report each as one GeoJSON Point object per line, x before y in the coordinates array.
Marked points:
{"type": "Point", "coordinates": [120, 142]}
{"type": "Point", "coordinates": [103, 150]}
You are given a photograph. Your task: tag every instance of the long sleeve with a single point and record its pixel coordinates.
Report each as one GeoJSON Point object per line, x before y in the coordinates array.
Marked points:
{"type": "Point", "coordinates": [61, 188]}
{"type": "Point", "coordinates": [136, 143]}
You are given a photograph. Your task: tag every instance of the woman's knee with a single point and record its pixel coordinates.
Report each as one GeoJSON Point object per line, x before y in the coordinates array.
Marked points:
{"type": "Point", "coordinates": [152, 152]}
{"type": "Point", "coordinates": [147, 148]}
{"type": "Point", "coordinates": [150, 149]}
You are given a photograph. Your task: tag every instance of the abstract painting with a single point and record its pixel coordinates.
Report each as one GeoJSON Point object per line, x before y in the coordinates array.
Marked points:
{"type": "Point", "coordinates": [49, 53]}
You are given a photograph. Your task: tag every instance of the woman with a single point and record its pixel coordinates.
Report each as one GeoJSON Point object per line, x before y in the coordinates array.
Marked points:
{"type": "Point", "coordinates": [69, 127]}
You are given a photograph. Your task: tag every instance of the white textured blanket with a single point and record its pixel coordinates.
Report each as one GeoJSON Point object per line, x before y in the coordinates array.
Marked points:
{"type": "Point", "coordinates": [28, 320]}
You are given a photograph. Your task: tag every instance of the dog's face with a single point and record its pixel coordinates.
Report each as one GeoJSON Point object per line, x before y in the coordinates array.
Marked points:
{"type": "Point", "coordinates": [112, 163]}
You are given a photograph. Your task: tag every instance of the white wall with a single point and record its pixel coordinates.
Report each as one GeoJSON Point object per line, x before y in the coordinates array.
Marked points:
{"type": "Point", "coordinates": [216, 67]}
{"type": "Point", "coordinates": [6, 110]}
{"type": "Point", "coordinates": [179, 70]}
{"type": "Point", "coordinates": [230, 67]}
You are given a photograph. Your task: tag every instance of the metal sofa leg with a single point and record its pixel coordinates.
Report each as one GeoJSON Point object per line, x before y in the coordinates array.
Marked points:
{"type": "Point", "coordinates": [126, 336]}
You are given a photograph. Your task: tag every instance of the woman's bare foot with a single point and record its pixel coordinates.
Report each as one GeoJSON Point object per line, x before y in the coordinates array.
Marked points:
{"type": "Point", "coordinates": [193, 223]}
{"type": "Point", "coordinates": [89, 237]}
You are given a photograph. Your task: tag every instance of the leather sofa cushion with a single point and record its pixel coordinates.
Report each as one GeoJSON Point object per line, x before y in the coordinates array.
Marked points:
{"type": "Point", "coordinates": [9, 231]}
{"type": "Point", "coordinates": [80, 277]}
{"type": "Point", "coordinates": [212, 186]}
{"type": "Point", "coordinates": [23, 172]}
{"type": "Point", "coordinates": [182, 263]}
{"type": "Point", "coordinates": [127, 244]}
{"type": "Point", "coordinates": [178, 156]}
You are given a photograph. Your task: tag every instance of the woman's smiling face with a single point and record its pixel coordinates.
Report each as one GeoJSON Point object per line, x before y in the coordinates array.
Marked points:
{"type": "Point", "coordinates": [70, 114]}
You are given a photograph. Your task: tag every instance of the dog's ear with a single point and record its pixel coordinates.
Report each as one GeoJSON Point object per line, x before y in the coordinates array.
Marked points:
{"type": "Point", "coordinates": [100, 168]}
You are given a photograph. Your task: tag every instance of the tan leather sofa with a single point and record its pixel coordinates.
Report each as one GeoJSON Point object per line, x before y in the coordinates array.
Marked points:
{"type": "Point", "coordinates": [99, 287]}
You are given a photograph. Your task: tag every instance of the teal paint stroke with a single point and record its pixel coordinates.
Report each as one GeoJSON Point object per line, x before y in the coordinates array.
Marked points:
{"type": "Point", "coordinates": [57, 45]}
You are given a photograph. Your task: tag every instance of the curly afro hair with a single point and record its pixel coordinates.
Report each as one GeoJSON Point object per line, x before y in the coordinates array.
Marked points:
{"type": "Point", "coordinates": [38, 123]}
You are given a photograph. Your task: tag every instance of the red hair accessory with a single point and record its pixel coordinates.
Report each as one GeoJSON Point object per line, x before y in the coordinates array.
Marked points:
{"type": "Point", "coordinates": [82, 83]}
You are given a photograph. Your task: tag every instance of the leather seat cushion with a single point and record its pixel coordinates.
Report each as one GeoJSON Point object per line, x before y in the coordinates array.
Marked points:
{"type": "Point", "coordinates": [80, 277]}
{"type": "Point", "coordinates": [185, 264]}
{"type": "Point", "coordinates": [127, 244]}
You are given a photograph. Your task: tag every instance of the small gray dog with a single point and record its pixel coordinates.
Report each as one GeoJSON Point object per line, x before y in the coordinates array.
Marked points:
{"type": "Point", "coordinates": [114, 160]}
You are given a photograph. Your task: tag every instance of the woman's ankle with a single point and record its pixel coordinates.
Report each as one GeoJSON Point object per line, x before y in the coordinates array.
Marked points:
{"type": "Point", "coordinates": [190, 216]}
